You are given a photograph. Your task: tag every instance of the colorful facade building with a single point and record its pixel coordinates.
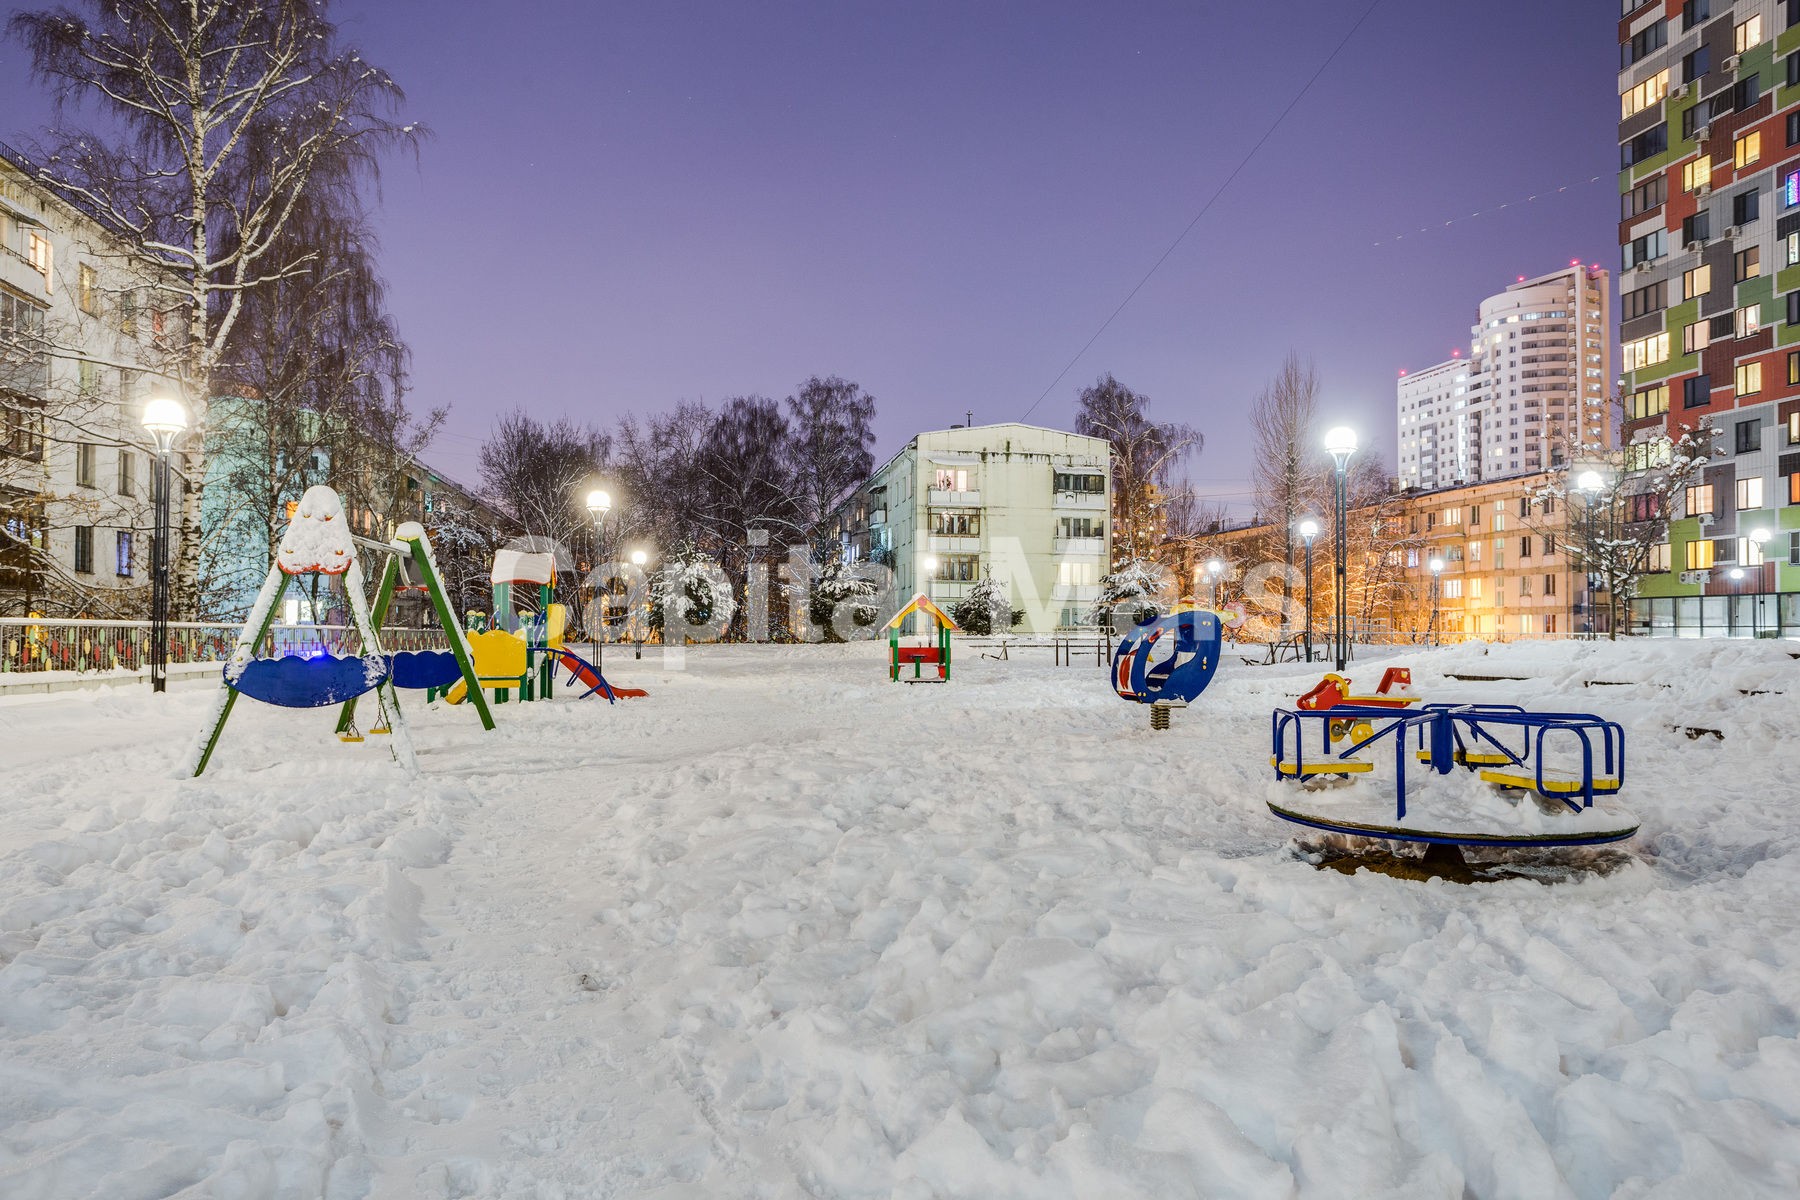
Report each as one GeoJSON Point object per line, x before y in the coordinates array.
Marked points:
{"type": "Point", "coordinates": [1709, 138]}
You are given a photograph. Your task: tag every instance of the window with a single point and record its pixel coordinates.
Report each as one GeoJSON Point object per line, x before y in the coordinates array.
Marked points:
{"type": "Point", "coordinates": [1649, 194]}
{"type": "Point", "coordinates": [951, 480]}
{"type": "Point", "coordinates": [1794, 491]}
{"type": "Point", "coordinates": [1549, 543]}
{"type": "Point", "coordinates": [1659, 557]}
{"type": "Point", "coordinates": [1749, 552]}
{"type": "Point", "coordinates": [1793, 308]}
{"type": "Point", "coordinates": [1525, 546]}
{"type": "Point", "coordinates": [1745, 207]}
{"type": "Point", "coordinates": [1647, 300]}
{"type": "Point", "coordinates": [122, 551]}
{"type": "Point", "coordinates": [87, 285]}
{"type": "Point", "coordinates": [84, 549]}
{"type": "Point", "coordinates": [1646, 352]}
{"type": "Point", "coordinates": [1081, 527]}
{"type": "Point", "coordinates": [1696, 282]}
{"type": "Point", "coordinates": [956, 523]}
{"type": "Point", "coordinates": [1648, 40]}
{"type": "Point", "coordinates": [1091, 484]}
{"type": "Point", "coordinates": [127, 472]}
{"type": "Point", "coordinates": [1746, 264]}
{"type": "Point", "coordinates": [963, 568]}
{"type": "Point", "coordinates": [84, 465]}
{"type": "Point", "coordinates": [1549, 585]}
{"type": "Point", "coordinates": [87, 378]}
{"type": "Point", "coordinates": [1652, 245]}
{"type": "Point", "coordinates": [1749, 493]}
{"type": "Point", "coordinates": [1747, 438]}
{"type": "Point", "coordinates": [1749, 378]}
{"type": "Point", "coordinates": [1746, 92]}
{"type": "Point", "coordinates": [1699, 499]}
{"type": "Point", "coordinates": [1793, 366]}
{"type": "Point", "coordinates": [39, 255]}
{"type": "Point", "coordinates": [1644, 146]}
{"type": "Point", "coordinates": [1695, 64]}
{"type": "Point", "coordinates": [1794, 548]}
{"type": "Point", "coordinates": [1747, 320]}
{"type": "Point", "coordinates": [128, 313]}
{"type": "Point", "coordinates": [1699, 554]}
{"type": "Point", "coordinates": [1694, 338]}
{"type": "Point", "coordinates": [1749, 34]}
{"type": "Point", "coordinates": [1793, 421]}
{"type": "Point", "coordinates": [1076, 574]}
{"type": "Point", "coordinates": [1696, 392]}
{"type": "Point", "coordinates": [1793, 69]}
{"type": "Point", "coordinates": [1696, 228]}
{"type": "Point", "coordinates": [1694, 12]}
{"type": "Point", "coordinates": [1649, 92]}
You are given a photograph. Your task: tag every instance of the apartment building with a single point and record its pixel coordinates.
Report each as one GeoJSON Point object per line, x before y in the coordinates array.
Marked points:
{"type": "Point", "coordinates": [1026, 505]}
{"type": "Point", "coordinates": [84, 335]}
{"type": "Point", "coordinates": [1532, 392]}
{"type": "Point", "coordinates": [1709, 232]}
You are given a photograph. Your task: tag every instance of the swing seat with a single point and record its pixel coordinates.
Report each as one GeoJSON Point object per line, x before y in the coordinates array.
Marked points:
{"type": "Point", "coordinates": [295, 682]}
{"type": "Point", "coordinates": [416, 670]}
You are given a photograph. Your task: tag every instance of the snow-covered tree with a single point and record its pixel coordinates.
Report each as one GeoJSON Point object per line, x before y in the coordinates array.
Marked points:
{"type": "Point", "coordinates": [690, 596]}
{"type": "Point", "coordinates": [1140, 587]}
{"type": "Point", "coordinates": [221, 116]}
{"type": "Point", "coordinates": [839, 583]}
{"type": "Point", "coordinates": [986, 608]}
{"type": "Point", "coordinates": [1145, 454]}
{"type": "Point", "coordinates": [1616, 504]}
{"type": "Point", "coordinates": [831, 447]}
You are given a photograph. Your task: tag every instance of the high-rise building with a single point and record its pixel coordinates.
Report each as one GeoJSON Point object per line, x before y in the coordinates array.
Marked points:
{"type": "Point", "coordinates": [1710, 296]}
{"type": "Point", "coordinates": [1531, 394]}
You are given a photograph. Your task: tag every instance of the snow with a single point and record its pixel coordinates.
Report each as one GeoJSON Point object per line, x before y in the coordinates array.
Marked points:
{"type": "Point", "coordinates": [318, 538]}
{"type": "Point", "coordinates": [785, 929]}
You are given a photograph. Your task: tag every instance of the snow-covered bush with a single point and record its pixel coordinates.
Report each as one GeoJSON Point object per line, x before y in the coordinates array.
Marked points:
{"type": "Point", "coordinates": [1142, 587]}
{"type": "Point", "coordinates": [838, 584]}
{"type": "Point", "coordinates": [985, 609]}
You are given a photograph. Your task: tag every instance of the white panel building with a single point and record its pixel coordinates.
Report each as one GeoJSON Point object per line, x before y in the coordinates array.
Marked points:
{"type": "Point", "coordinates": [1027, 505]}
{"type": "Point", "coordinates": [1533, 387]}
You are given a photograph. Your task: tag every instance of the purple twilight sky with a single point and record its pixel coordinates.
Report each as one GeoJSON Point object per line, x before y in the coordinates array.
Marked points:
{"type": "Point", "coordinates": [626, 205]}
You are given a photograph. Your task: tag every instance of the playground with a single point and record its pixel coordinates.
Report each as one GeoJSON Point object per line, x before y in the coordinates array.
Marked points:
{"type": "Point", "coordinates": [784, 927]}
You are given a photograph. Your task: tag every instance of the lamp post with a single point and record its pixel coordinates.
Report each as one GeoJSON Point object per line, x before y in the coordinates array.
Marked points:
{"type": "Point", "coordinates": [599, 503]}
{"type": "Point", "coordinates": [1340, 443]}
{"type": "Point", "coordinates": [1214, 571]}
{"type": "Point", "coordinates": [1437, 574]}
{"type": "Point", "coordinates": [1590, 484]}
{"type": "Point", "coordinates": [1309, 529]}
{"type": "Point", "coordinates": [638, 559]}
{"type": "Point", "coordinates": [165, 418]}
{"type": "Point", "coordinates": [1758, 538]}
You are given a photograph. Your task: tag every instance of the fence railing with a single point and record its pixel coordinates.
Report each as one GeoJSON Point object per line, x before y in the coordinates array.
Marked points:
{"type": "Point", "coordinates": [45, 644]}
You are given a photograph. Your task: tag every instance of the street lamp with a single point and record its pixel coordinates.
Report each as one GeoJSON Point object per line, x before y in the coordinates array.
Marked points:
{"type": "Point", "coordinates": [1759, 537]}
{"type": "Point", "coordinates": [1214, 570]}
{"type": "Point", "coordinates": [1340, 443]}
{"type": "Point", "coordinates": [1309, 529]}
{"type": "Point", "coordinates": [1437, 572]}
{"type": "Point", "coordinates": [1590, 484]}
{"type": "Point", "coordinates": [599, 503]}
{"type": "Point", "coordinates": [165, 418]}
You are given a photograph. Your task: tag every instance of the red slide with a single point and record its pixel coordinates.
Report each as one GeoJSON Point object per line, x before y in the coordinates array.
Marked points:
{"type": "Point", "coordinates": [584, 672]}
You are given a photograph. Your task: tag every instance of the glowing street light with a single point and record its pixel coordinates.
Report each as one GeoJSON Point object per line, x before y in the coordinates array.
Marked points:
{"type": "Point", "coordinates": [1309, 529]}
{"type": "Point", "coordinates": [1340, 443]}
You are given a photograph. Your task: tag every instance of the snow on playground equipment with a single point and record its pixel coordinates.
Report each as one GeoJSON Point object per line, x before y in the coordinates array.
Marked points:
{"type": "Point", "coordinates": [930, 653]}
{"type": "Point", "coordinates": [1505, 744]}
{"type": "Point", "coordinates": [1193, 638]}
{"type": "Point", "coordinates": [317, 541]}
{"type": "Point", "coordinates": [411, 566]}
{"type": "Point", "coordinates": [524, 647]}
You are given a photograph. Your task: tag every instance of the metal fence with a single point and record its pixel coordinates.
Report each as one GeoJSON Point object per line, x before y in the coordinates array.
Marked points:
{"type": "Point", "coordinates": [45, 644]}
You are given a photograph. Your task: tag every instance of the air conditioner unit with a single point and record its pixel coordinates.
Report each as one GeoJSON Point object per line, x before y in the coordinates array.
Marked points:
{"type": "Point", "coordinates": [1679, 92]}
{"type": "Point", "coordinates": [1731, 62]}
{"type": "Point", "coordinates": [1696, 244]}
{"type": "Point", "coordinates": [1706, 520]}
{"type": "Point", "coordinates": [1702, 133]}
{"type": "Point", "coordinates": [1732, 231]}
{"type": "Point", "coordinates": [1642, 268]}
{"type": "Point", "coordinates": [1703, 191]}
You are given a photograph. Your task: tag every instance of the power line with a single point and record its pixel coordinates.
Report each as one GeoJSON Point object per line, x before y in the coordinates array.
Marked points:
{"type": "Point", "coordinates": [1205, 208]}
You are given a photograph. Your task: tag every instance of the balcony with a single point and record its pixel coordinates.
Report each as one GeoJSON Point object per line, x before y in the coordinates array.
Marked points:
{"type": "Point", "coordinates": [1092, 547]}
{"type": "Point", "coordinates": [941, 543]}
{"type": "Point", "coordinates": [1075, 593]}
{"type": "Point", "coordinates": [17, 273]}
{"type": "Point", "coordinates": [1081, 501]}
{"type": "Point", "coordinates": [941, 498]}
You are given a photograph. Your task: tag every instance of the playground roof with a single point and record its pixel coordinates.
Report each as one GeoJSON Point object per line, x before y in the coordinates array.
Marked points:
{"type": "Point", "coordinates": [922, 603]}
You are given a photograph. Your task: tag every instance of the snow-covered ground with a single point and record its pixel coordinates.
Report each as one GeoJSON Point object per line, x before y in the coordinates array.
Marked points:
{"type": "Point", "coordinates": [785, 929]}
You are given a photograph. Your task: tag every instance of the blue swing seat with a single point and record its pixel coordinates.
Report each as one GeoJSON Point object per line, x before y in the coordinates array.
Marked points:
{"type": "Point", "coordinates": [416, 670]}
{"type": "Point", "coordinates": [295, 682]}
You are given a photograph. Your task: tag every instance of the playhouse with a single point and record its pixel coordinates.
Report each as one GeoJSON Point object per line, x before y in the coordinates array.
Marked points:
{"type": "Point", "coordinates": [931, 651]}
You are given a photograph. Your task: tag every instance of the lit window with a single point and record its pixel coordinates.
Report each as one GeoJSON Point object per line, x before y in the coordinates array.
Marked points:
{"type": "Point", "coordinates": [87, 286]}
{"type": "Point", "coordinates": [1699, 554]}
{"type": "Point", "coordinates": [1646, 351]}
{"type": "Point", "coordinates": [1649, 92]}
{"type": "Point", "coordinates": [1749, 493]}
{"type": "Point", "coordinates": [1696, 282]}
{"type": "Point", "coordinates": [38, 254]}
{"type": "Point", "coordinates": [1696, 173]}
{"type": "Point", "coordinates": [1699, 499]}
{"type": "Point", "coordinates": [1748, 319]}
{"type": "Point", "coordinates": [1749, 34]}
{"type": "Point", "coordinates": [1695, 337]}
{"type": "Point", "coordinates": [1749, 378]}
{"type": "Point", "coordinates": [1747, 149]}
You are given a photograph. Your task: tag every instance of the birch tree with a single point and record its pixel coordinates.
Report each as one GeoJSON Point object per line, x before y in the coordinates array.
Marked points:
{"type": "Point", "coordinates": [1145, 455]}
{"type": "Point", "coordinates": [218, 117]}
{"type": "Point", "coordinates": [1289, 474]}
